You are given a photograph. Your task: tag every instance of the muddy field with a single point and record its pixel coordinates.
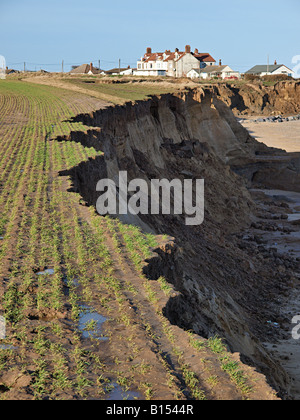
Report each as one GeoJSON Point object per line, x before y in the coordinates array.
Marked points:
{"type": "Point", "coordinates": [82, 320]}
{"type": "Point", "coordinates": [97, 308]}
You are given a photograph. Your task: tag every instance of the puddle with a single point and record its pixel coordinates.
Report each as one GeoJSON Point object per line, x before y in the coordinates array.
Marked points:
{"type": "Point", "coordinates": [90, 323]}
{"type": "Point", "coordinates": [2, 328]}
{"type": "Point", "coordinates": [73, 282]}
{"type": "Point", "coordinates": [49, 271]}
{"type": "Point", "coordinates": [68, 284]}
{"type": "Point", "coordinates": [7, 347]}
{"type": "Point", "coordinates": [118, 394]}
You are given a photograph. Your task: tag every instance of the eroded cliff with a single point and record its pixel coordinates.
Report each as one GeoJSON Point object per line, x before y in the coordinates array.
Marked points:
{"type": "Point", "coordinates": [225, 288]}
{"type": "Point", "coordinates": [258, 99]}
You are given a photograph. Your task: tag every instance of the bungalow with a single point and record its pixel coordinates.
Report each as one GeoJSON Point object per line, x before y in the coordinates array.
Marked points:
{"type": "Point", "coordinates": [85, 69]}
{"type": "Point", "coordinates": [224, 72]}
{"type": "Point", "coordinates": [174, 64]}
{"type": "Point", "coordinates": [266, 70]}
{"type": "Point", "coordinates": [127, 71]}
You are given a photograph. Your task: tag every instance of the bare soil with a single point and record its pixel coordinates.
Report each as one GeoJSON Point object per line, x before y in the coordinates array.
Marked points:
{"type": "Point", "coordinates": [223, 278]}
{"type": "Point", "coordinates": [228, 286]}
{"type": "Point", "coordinates": [45, 355]}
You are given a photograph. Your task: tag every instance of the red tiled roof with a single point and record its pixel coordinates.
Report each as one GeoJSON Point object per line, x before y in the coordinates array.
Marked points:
{"type": "Point", "coordinates": [205, 57]}
{"type": "Point", "coordinates": [170, 57]}
{"type": "Point", "coordinates": [153, 57]}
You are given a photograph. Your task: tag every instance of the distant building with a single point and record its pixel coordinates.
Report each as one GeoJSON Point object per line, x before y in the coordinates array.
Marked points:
{"type": "Point", "coordinates": [11, 71]}
{"type": "Point", "coordinates": [85, 69]}
{"type": "Point", "coordinates": [274, 69]}
{"type": "Point", "coordinates": [174, 64]}
{"type": "Point", "coordinates": [127, 71]}
{"type": "Point", "coordinates": [223, 72]}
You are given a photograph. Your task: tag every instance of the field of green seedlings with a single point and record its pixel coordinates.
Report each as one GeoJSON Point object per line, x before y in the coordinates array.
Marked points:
{"type": "Point", "coordinates": [82, 322]}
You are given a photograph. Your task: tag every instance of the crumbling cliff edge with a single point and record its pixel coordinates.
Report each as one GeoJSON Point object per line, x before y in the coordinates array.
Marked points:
{"type": "Point", "coordinates": [227, 285]}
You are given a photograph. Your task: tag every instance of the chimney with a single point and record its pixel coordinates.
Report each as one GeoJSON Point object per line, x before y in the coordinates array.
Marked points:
{"type": "Point", "coordinates": [149, 50]}
{"type": "Point", "coordinates": [275, 63]}
{"type": "Point", "coordinates": [220, 62]}
{"type": "Point", "coordinates": [196, 51]}
{"type": "Point", "coordinates": [188, 49]}
{"type": "Point", "coordinates": [176, 50]}
{"type": "Point", "coordinates": [91, 67]}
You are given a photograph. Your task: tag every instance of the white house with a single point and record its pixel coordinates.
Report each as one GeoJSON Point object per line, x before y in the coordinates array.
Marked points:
{"type": "Point", "coordinates": [224, 72]}
{"type": "Point", "coordinates": [174, 64]}
{"type": "Point", "coordinates": [128, 72]}
{"type": "Point", "coordinates": [266, 70]}
{"type": "Point", "coordinates": [120, 71]}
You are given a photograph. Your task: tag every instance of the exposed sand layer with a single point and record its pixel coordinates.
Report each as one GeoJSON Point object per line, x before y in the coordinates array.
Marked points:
{"type": "Point", "coordinates": [284, 135]}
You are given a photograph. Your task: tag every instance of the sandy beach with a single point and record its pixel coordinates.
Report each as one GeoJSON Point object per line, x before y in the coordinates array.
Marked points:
{"type": "Point", "coordinates": [284, 135]}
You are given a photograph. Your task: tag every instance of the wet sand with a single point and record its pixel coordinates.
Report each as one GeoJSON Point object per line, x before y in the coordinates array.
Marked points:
{"type": "Point", "coordinates": [285, 135]}
{"type": "Point", "coordinates": [288, 350]}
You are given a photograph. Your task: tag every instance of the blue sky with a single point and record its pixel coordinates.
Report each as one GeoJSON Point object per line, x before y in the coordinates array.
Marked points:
{"type": "Point", "coordinates": [240, 32]}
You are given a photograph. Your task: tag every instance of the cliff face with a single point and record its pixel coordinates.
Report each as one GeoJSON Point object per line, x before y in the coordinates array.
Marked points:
{"type": "Point", "coordinates": [167, 137]}
{"type": "Point", "coordinates": [223, 289]}
{"type": "Point", "coordinates": [200, 117]}
{"type": "Point", "coordinates": [256, 99]}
